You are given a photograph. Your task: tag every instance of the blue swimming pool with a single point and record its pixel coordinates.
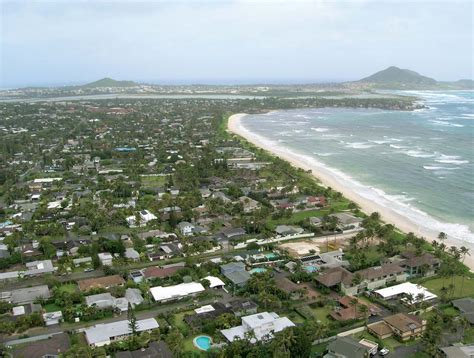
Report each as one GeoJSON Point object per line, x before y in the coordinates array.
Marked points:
{"type": "Point", "coordinates": [310, 269]}
{"type": "Point", "coordinates": [258, 270]}
{"type": "Point", "coordinates": [271, 255]}
{"type": "Point", "coordinates": [203, 342]}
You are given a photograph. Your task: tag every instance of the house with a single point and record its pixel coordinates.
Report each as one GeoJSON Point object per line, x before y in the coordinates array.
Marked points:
{"type": "Point", "coordinates": [106, 333]}
{"type": "Point", "coordinates": [100, 282]}
{"type": "Point", "coordinates": [355, 283]}
{"type": "Point", "coordinates": [37, 268]}
{"type": "Point", "coordinates": [154, 350]}
{"type": "Point", "coordinates": [215, 282]}
{"type": "Point", "coordinates": [205, 314]}
{"type": "Point", "coordinates": [249, 205]}
{"type": "Point", "coordinates": [185, 228]}
{"type": "Point", "coordinates": [134, 296]}
{"type": "Point", "coordinates": [145, 216]}
{"type": "Point", "coordinates": [26, 295]}
{"type": "Point", "coordinates": [425, 264]}
{"type": "Point", "coordinates": [82, 261]}
{"type": "Point", "coordinates": [466, 308]}
{"type": "Point", "coordinates": [286, 230]}
{"type": "Point", "coordinates": [347, 347]}
{"type": "Point", "coordinates": [347, 222]}
{"type": "Point", "coordinates": [101, 300]}
{"type": "Point", "coordinates": [105, 258]}
{"type": "Point", "coordinates": [57, 344]}
{"type": "Point", "coordinates": [242, 307]}
{"type": "Point", "coordinates": [136, 276]}
{"type": "Point", "coordinates": [52, 318]}
{"type": "Point", "coordinates": [232, 233]}
{"type": "Point", "coordinates": [409, 292]}
{"type": "Point", "coordinates": [159, 272]}
{"type": "Point", "coordinates": [205, 193]}
{"type": "Point", "coordinates": [132, 254]}
{"type": "Point", "coordinates": [329, 259]}
{"type": "Point", "coordinates": [236, 273]}
{"type": "Point", "coordinates": [221, 196]}
{"type": "Point", "coordinates": [315, 221]}
{"type": "Point", "coordinates": [404, 326]}
{"type": "Point", "coordinates": [458, 351]}
{"type": "Point", "coordinates": [348, 309]}
{"type": "Point", "coordinates": [176, 292]}
{"type": "Point", "coordinates": [259, 325]}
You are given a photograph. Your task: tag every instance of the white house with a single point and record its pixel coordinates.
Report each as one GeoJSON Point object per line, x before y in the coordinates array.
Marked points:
{"type": "Point", "coordinates": [260, 324]}
{"type": "Point", "coordinates": [215, 282]}
{"type": "Point", "coordinates": [132, 254]}
{"type": "Point", "coordinates": [105, 258]}
{"type": "Point", "coordinates": [106, 333]}
{"type": "Point", "coordinates": [168, 293]}
{"type": "Point", "coordinates": [410, 292]}
{"type": "Point", "coordinates": [145, 217]}
{"type": "Point", "coordinates": [185, 228]}
{"type": "Point", "coordinates": [52, 318]}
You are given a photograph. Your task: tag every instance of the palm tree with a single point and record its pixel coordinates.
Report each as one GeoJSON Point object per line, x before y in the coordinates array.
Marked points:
{"type": "Point", "coordinates": [442, 236]}
{"type": "Point", "coordinates": [363, 310]}
{"type": "Point", "coordinates": [464, 251]}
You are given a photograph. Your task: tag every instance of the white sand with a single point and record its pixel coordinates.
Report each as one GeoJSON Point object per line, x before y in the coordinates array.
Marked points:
{"type": "Point", "coordinates": [339, 183]}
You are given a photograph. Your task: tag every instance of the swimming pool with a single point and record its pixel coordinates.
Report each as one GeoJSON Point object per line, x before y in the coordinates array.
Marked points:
{"type": "Point", "coordinates": [203, 342]}
{"type": "Point", "coordinates": [271, 255]}
{"type": "Point", "coordinates": [258, 270]}
{"type": "Point", "coordinates": [310, 268]}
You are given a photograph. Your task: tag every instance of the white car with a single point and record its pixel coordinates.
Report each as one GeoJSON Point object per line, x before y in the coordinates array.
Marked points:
{"type": "Point", "coordinates": [384, 352]}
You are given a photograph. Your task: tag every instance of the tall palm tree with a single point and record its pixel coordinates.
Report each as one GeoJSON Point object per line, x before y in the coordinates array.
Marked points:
{"type": "Point", "coordinates": [464, 251]}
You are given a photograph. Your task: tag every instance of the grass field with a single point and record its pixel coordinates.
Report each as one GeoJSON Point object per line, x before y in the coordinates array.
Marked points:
{"type": "Point", "coordinates": [51, 307]}
{"type": "Point", "coordinates": [153, 182]}
{"type": "Point", "coordinates": [321, 313]}
{"type": "Point", "coordinates": [68, 287]}
{"type": "Point", "coordinates": [469, 336]}
{"type": "Point", "coordinates": [460, 290]}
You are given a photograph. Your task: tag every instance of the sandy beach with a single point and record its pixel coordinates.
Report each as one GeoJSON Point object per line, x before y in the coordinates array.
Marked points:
{"type": "Point", "coordinates": [339, 183]}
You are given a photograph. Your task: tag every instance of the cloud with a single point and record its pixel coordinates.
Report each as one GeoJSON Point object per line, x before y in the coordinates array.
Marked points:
{"type": "Point", "coordinates": [64, 41]}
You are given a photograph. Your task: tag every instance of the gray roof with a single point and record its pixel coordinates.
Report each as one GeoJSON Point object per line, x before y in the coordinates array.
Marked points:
{"type": "Point", "coordinates": [27, 295]}
{"type": "Point", "coordinates": [238, 277]}
{"type": "Point", "coordinates": [101, 300]}
{"type": "Point", "coordinates": [232, 267]}
{"type": "Point", "coordinates": [155, 350]}
{"type": "Point", "coordinates": [459, 351]}
{"type": "Point", "coordinates": [466, 306]}
{"type": "Point", "coordinates": [134, 296]}
{"type": "Point", "coordinates": [347, 347]}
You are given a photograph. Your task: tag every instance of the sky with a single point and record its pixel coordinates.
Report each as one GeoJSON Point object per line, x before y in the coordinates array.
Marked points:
{"type": "Point", "coordinates": [235, 41]}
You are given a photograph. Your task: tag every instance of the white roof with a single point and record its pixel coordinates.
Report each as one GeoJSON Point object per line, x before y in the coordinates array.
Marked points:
{"type": "Point", "coordinates": [18, 310]}
{"type": "Point", "coordinates": [103, 332]}
{"type": "Point", "coordinates": [406, 288]}
{"type": "Point", "coordinates": [262, 324]}
{"type": "Point", "coordinates": [184, 289]}
{"type": "Point", "coordinates": [215, 281]}
{"type": "Point", "coordinates": [204, 309]}
{"type": "Point", "coordinates": [47, 180]}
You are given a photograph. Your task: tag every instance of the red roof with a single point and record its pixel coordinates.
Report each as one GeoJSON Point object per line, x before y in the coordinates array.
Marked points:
{"type": "Point", "coordinates": [154, 271]}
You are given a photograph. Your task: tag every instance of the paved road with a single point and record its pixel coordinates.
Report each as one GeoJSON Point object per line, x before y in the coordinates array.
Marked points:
{"type": "Point", "coordinates": [224, 297]}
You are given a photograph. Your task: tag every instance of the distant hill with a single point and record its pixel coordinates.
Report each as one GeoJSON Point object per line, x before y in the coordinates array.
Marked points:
{"type": "Point", "coordinates": [109, 82]}
{"type": "Point", "coordinates": [468, 84]}
{"type": "Point", "coordinates": [395, 77]}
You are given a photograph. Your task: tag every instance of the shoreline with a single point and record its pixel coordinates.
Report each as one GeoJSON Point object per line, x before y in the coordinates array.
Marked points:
{"type": "Point", "coordinates": [330, 179]}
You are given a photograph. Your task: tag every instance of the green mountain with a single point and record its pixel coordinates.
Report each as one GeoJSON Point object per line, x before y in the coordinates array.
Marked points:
{"type": "Point", "coordinates": [394, 77]}
{"type": "Point", "coordinates": [109, 82]}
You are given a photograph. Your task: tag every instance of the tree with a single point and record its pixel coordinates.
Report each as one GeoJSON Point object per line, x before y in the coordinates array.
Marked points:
{"type": "Point", "coordinates": [132, 321]}
{"type": "Point", "coordinates": [174, 339]}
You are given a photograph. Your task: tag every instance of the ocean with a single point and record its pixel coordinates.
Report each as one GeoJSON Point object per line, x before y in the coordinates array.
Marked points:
{"type": "Point", "coordinates": [419, 163]}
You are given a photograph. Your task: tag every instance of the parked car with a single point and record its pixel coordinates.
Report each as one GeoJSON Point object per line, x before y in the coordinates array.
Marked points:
{"type": "Point", "coordinates": [384, 352]}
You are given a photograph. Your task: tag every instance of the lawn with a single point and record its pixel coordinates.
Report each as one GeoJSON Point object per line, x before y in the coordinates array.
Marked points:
{"type": "Point", "coordinates": [435, 284]}
{"type": "Point", "coordinates": [68, 287]}
{"type": "Point", "coordinates": [153, 182]}
{"type": "Point", "coordinates": [188, 346]}
{"type": "Point", "coordinates": [318, 350]}
{"type": "Point", "coordinates": [178, 320]}
{"type": "Point", "coordinates": [469, 336]}
{"type": "Point", "coordinates": [51, 307]}
{"type": "Point", "coordinates": [321, 313]}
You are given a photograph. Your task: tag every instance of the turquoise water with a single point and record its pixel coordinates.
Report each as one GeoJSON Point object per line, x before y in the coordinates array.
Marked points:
{"type": "Point", "coordinates": [271, 255]}
{"type": "Point", "coordinates": [258, 270]}
{"type": "Point", "coordinates": [420, 163]}
{"type": "Point", "coordinates": [310, 269]}
{"type": "Point", "coordinates": [203, 342]}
